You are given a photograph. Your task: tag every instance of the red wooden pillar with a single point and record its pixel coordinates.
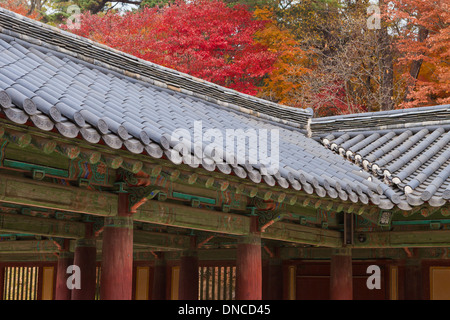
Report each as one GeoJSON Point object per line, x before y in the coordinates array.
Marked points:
{"type": "Point", "coordinates": [413, 279]}
{"type": "Point", "coordinates": [85, 258]}
{"type": "Point", "coordinates": [341, 279]}
{"type": "Point", "coordinates": [2, 280]}
{"type": "Point", "coordinates": [275, 280]}
{"type": "Point", "coordinates": [116, 281]}
{"type": "Point", "coordinates": [159, 278]}
{"type": "Point", "coordinates": [65, 259]}
{"type": "Point", "coordinates": [188, 285]}
{"type": "Point", "coordinates": [249, 265]}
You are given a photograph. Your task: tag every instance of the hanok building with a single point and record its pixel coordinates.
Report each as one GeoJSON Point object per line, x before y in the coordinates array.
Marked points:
{"type": "Point", "coordinates": [92, 176]}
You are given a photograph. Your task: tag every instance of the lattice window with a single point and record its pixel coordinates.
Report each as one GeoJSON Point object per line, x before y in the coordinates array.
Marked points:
{"type": "Point", "coordinates": [217, 283]}
{"type": "Point", "coordinates": [21, 283]}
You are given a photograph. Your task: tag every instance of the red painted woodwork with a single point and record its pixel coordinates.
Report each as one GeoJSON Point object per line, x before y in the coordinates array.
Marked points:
{"type": "Point", "coordinates": [274, 280]}
{"type": "Point", "coordinates": [188, 285]}
{"type": "Point", "coordinates": [341, 280]}
{"type": "Point", "coordinates": [2, 280]}
{"type": "Point", "coordinates": [62, 292]}
{"type": "Point", "coordinates": [360, 276]}
{"type": "Point", "coordinates": [85, 258]}
{"type": "Point", "coordinates": [159, 280]}
{"type": "Point", "coordinates": [313, 281]}
{"type": "Point", "coordinates": [413, 280]}
{"type": "Point", "coordinates": [249, 265]}
{"type": "Point", "coordinates": [249, 270]}
{"type": "Point", "coordinates": [117, 264]}
{"type": "Point", "coordinates": [116, 281]}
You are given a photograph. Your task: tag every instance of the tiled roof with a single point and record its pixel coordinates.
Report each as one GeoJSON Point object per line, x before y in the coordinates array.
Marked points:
{"type": "Point", "coordinates": [71, 45]}
{"type": "Point", "coordinates": [413, 159]}
{"type": "Point", "coordinates": [57, 81]}
{"type": "Point", "coordinates": [392, 120]}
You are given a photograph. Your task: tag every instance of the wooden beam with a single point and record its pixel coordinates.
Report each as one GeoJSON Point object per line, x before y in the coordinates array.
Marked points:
{"type": "Point", "coordinates": [184, 216]}
{"type": "Point", "coordinates": [46, 195]}
{"type": "Point", "coordinates": [296, 233]}
{"type": "Point", "coordinates": [162, 241]}
{"type": "Point", "coordinates": [41, 194]}
{"type": "Point", "coordinates": [28, 257]}
{"type": "Point", "coordinates": [16, 223]}
{"type": "Point", "coordinates": [401, 239]}
{"type": "Point", "coordinates": [28, 246]}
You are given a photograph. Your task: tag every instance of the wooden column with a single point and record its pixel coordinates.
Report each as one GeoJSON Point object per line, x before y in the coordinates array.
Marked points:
{"type": "Point", "coordinates": [65, 259]}
{"type": "Point", "coordinates": [341, 279]}
{"type": "Point", "coordinates": [159, 278]}
{"type": "Point", "coordinates": [2, 280]}
{"type": "Point", "coordinates": [188, 285]}
{"type": "Point", "coordinates": [249, 265]}
{"type": "Point", "coordinates": [275, 280]}
{"type": "Point", "coordinates": [85, 258]}
{"type": "Point", "coordinates": [117, 254]}
{"type": "Point", "coordinates": [413, 279]}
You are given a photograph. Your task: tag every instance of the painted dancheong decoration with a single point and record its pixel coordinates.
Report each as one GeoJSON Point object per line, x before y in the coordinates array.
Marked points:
{"type": "Point", "coordinates": [109, 162]}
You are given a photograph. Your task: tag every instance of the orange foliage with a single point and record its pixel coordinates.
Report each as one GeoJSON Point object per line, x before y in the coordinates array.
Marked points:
{"type": "Point", "coordinates": [19, 7]}
{"type": "Point", "coordinates": [281, 84]}
{"type": "Point", "coordinates": [432, 85]}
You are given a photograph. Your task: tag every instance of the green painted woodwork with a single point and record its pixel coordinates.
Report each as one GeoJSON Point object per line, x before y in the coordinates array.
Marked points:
{"type": "Point", "coordinates": [189, 197]}
{"type": "Point", "coordinates": [28, 246]}
{"type": "Point", "coordinates": [161, 241]}
{"type": "Point", "coordinates": [296, 233]}
{"type": "Point", "coordinates": [41, 194]}
{"type": "Point", "coordinates": [21, 139]}
{"type": "Point", "coordinates": [183, 216]}
{"type": "Point", "coordinates": [48, 153]}
{"type": "Point", "coordinates": [402, 239]}
{"type": "Point", "coordinates": [15, 223]}
{"type": "Point", "coordinates": [32, 155]}
{"type": "Point", "coordinates": [28, 257]}
{"type": "Point", "coordinates": [31, 167]}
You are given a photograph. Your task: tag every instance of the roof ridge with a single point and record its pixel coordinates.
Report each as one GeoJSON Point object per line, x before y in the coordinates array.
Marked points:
{"type": "Point", "coordinates": [383, 120]}
{"type": "Point", "coordinates": [101, 55]}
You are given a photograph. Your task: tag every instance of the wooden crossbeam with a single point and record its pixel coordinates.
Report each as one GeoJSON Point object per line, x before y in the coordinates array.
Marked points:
{"type": "Point", "coordinates": [15, 223]}
{"type": "Point", "coordinates": [162, 241]}
{"type": "Point", "coordinates": [143, 241]}
{"type": "Point", "coordinates": [401, 239]}
{"type": "Point", "coordinates": [28, 246]}
{"type": "Point", "coordinates": [183, 216]}
{"type": "Point", "coordinates": [296, 233]}
{"type": "Point", "coordinates": [36, 193]}
{"type": "Point", "coordinates": [29, 192]}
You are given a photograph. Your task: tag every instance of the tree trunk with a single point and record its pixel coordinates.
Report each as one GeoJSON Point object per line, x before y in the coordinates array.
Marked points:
{"type": "Point", "coordinates": [415, 66]}
{"type": "Point", "coordinates": [387, 70]}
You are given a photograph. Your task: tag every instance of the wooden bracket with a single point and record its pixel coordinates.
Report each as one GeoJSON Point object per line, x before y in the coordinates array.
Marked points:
{"type": "Point", "coordinates": [269, 218]}
{"type": "Point", "coordinates": [139, 195]}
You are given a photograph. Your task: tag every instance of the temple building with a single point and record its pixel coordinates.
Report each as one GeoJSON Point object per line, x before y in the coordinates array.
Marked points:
{"type": "Point", "coordinates": [141, 182]}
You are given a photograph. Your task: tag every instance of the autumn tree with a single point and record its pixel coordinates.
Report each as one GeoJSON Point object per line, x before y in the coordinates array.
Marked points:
{"type": "Point", "coordinates": [281, 84]}
{"type": "Point", "coordinates": [422, 30]}
{"type": "Point", "coordinates": [22, 7]}
{"type": "Point", "coordinates": [206, 39]}
{"type": "Point", "coordinates": [350, 63]}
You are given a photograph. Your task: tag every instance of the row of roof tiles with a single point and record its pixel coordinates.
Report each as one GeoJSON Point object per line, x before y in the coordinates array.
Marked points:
{"type": "Point", "coordinates": [45, 84]}
{"type": "Point", "coordinates": [94, 53]}
{"type": "Point", "coordinates": [416, 162]}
